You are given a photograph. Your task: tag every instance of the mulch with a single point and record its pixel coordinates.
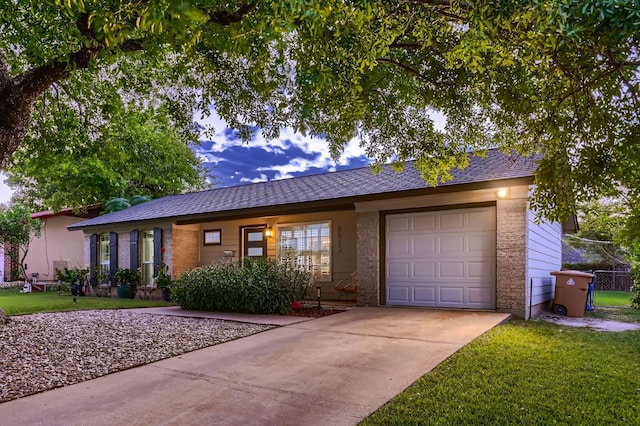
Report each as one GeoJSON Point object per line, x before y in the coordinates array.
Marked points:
{"type": "Point", "coordinates": [313, 312]}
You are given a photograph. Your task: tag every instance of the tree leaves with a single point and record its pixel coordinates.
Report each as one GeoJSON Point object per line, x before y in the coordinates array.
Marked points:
{"type": "Point", "coordinates": [538, 77]}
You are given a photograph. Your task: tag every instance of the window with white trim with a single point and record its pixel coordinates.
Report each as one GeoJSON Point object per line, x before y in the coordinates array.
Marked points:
{"type": "Point", "coordinates": [104, 258]}
{"type": "Point", "coordinates": [306, 246]}
{"type": "Point", "coordinates": [146, 257]}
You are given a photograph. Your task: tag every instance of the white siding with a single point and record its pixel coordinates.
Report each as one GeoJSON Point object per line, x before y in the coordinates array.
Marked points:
{"type": "Point", "coordinates": [544, 255]}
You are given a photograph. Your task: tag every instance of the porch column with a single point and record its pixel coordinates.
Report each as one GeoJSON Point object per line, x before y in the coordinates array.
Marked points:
{"type": "Point", "coordinates": [511, 245]}
{"type": "Point", "coordinates": [368, 258]}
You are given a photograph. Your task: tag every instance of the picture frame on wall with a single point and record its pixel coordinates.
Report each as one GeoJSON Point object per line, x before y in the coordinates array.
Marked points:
{"type": "Point", "coordinates": [212, 237]}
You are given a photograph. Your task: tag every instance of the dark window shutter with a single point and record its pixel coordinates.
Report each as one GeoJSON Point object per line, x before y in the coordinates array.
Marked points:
{"type": "Point", "coordinates": [134, 252]}
{"type": "Point", "coordinates": [157, 249]}
{"type": "Point", "coordinates": [93, 259]}
{"type": "Point", "coordinates": [113, 254]}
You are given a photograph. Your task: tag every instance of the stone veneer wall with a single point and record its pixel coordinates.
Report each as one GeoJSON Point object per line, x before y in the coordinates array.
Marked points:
{"type": "Point", "coordinates": [368, 258]}
{"type": "Point", "coordinates": [185, 250]}
{"type": "Point", "coordinates": [511, 245]}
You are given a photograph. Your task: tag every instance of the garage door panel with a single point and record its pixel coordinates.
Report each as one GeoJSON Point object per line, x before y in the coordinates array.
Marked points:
{"type": "Point", "coordinates": [480, 269]}
{"type": "Point", "coordinates": [424, 245]}
{"type": "Point", "coordinates": [424, 295]}
{"type": "Point", "coordinates": [424, 222]}
{"type": "Point", "coordinates": [453, 245]}
{"type": "Point", "coordinates": [451, 221]}
{"type": "Point", "coordinates": [452, 295]}
{"type": "Point", "coordinates": [480, 243]}
{"type": "Point", "coordinates": [399, 294]}
{"type": "Point", "coordinates": [480, 296]}
{"type": "Point", "coordinates": [397, 247]}
{"type": "Point", "coordinates": [451, 270]}
{"type": "Point", "coordinates": [399, 270]}
{"type": "Point", "coordinates": [398, 223]}
{"type": "Point", "coordinates": [482, 219]}
{"type": "Point", "coordinates": [424, 270]}
{"type": "Point", "coordinates": [442, 258]}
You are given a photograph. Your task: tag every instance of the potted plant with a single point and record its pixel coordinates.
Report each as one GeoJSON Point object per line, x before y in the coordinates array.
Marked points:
{"type": "Point", "coordinates": [163, 281]}
{"type": "Point", "coordinates": [127, 282]}
{"type": "Point", "coordinates": [75, 278]}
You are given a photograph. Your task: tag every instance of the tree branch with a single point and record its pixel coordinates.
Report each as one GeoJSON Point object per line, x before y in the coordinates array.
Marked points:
{"type": "Point", "coordinates": [227, 18]}
{"type": "Point", "coordinates": [623, 63]}
{"type": "Point", "coordinates": [406, 45]}
{"type": "Point", "coordinates": [405, 67]}
{"type": "Point", "coordinates": [5, 77]}
{"type": "Point", "coordinates": [443, 3]}
{"type": "Point", "coordinates": [617, 66]}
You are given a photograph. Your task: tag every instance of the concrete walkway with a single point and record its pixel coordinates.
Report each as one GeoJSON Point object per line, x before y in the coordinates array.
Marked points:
{"type": "Point", "coordinates": [329, 371]}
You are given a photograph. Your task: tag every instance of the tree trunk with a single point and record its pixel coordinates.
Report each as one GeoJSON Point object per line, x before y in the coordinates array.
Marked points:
{"type": "Point", "coordinates": [4, 318]}
{"type": "Point", "coordinates": [18, 95]}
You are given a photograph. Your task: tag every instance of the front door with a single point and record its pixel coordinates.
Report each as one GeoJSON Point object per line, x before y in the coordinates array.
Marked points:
{"type": "Point", "coordinates": [253, 241]}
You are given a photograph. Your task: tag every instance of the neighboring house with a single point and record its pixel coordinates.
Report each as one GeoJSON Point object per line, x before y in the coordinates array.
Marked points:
{"type": "Point", "coordinates": [57, 248]}
{"type": "Point", "coordinates": [585, 260]}
{"type": "Point", "coordinates": [469, 243]}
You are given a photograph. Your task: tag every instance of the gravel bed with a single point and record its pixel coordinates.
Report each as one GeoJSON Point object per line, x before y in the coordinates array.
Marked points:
{"type": "Point", "coordinates": [45, 351]}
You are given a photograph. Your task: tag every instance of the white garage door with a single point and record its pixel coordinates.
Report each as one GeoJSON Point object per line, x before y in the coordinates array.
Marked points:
{"type": "Point", "coordinates": [442, 258]}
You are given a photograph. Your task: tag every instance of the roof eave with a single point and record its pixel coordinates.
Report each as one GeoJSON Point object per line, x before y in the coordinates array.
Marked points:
{"type": "Point", "coordinates": [334, 204]}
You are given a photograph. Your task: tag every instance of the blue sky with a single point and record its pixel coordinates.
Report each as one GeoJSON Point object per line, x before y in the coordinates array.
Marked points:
{"type": "Point", "coordinates": [233, 162]}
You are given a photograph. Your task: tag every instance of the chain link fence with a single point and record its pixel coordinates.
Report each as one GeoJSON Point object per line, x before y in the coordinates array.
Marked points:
{"type": "Point", "coordinates": [612, 288]}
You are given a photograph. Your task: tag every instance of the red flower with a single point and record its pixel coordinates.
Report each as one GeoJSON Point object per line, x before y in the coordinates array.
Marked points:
{"type": "Point", "coordinates": [162, 250]}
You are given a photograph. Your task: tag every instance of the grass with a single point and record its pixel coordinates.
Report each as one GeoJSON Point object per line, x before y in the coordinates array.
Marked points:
{"type": "Point", "coordinates": [615, 314]}
{"type": "Point", "coordinates": [527, 373]}
{"type": "Point", "coordinates": [612, 298]}
{"type": "Point", "coordinates": [15, 303]}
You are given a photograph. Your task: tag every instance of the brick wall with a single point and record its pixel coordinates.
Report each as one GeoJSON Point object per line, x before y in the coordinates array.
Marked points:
{"type": "Point", "coordinates": [368, 255]}
{"type": "Point", "coordinates": [185, 250]}
{"type": "Point", "coordinates": [511, 244]}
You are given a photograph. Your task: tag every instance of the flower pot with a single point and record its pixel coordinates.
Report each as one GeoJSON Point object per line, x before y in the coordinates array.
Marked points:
{"type": "Point", "coordinates": [125, 292]}
{"type": "Point", "coordinates": [166, 294]}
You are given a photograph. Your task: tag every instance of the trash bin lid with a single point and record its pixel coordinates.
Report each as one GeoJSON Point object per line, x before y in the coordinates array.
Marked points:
{"type": "Point", "coordinates": [572, 273]}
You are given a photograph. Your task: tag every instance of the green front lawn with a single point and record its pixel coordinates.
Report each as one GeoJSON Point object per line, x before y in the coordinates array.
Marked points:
{"type": "Point", "coordinates": [612, 298]}
{"type": "Point", "coordinates": [527, 373]}
{"type": "Point", "coordinates": [15, 303]}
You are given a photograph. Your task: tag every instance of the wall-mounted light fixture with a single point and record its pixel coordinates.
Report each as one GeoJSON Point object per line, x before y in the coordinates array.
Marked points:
{"type": "Point", "coordinates": [268, 232]}
{"type": "Point", "coordinates": [503, 192]}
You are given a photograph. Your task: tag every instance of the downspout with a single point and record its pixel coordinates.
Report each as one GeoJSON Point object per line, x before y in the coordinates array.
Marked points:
{"type": "Point", "coordinates": [530, 295]}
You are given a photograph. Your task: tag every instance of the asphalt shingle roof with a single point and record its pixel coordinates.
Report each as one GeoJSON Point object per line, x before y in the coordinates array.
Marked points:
{"type": "Point", "coordinates": [351, 183]}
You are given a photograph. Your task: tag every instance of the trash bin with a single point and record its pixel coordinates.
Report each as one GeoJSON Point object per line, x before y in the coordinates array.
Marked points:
{"type": "Point", "coordinates": [571, 292]}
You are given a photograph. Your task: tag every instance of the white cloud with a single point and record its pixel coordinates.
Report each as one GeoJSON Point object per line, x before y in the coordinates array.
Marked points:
{"type": "Point", "coordinates": [262, 178]}
{"type": "Point", "coordinates": [298, 165]}
{"type": "Point", "coordinates": [287, 137]}
{"type": "Point", "coordinates": [207, 157]}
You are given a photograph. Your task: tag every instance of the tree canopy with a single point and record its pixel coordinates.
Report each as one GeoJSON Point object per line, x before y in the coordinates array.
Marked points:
{"type": "Point", "coordinates": [558, 78]}
{"type": "Point", "coordinates": [17, 229]}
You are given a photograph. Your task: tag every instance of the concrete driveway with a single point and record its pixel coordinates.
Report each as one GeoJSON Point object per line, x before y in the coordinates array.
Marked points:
{"type": "Point", "coordinates": [329, 371]}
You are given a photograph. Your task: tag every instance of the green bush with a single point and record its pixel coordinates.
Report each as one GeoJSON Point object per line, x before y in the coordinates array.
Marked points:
{"type": "Point", "coordinates": [257, 286]}
{"type": "Point", "coordinates": [635, 295]}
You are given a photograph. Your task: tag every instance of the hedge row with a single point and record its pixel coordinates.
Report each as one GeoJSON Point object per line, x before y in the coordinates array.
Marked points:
{"type": "Point", "coordinates": [250, 286]}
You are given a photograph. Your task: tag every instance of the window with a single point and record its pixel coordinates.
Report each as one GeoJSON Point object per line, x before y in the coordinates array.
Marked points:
{"type": "Point", "coordinates": [212, 237]}
{"type": "Point", "coordinates": [306, 246]}
{"type": "Point", "coordinates": [146, 257]}
{"type": "Point", "coordinates": [104, 258]}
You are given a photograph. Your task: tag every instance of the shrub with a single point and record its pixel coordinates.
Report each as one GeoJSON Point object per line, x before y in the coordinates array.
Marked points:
{"type": "Point", "coordinates": [257, 286]}
{"type": "Point", "coordinates": [635, 296]}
